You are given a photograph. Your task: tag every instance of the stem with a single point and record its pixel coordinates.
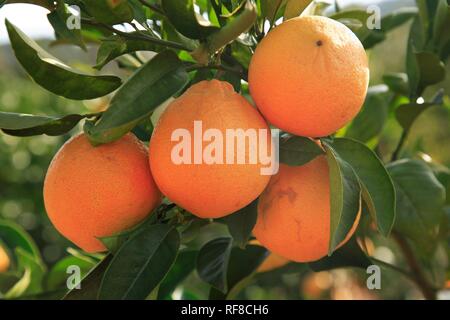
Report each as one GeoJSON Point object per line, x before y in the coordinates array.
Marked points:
{"type": "Point", "coordinates": [419, 278]}
{"type": "Point", "coordinates": [400, 144]}
{"type": "Point", "coordinates": [153, 7]}
{"type": "Point", "coordinates": [136, 35]}
{"type": "Point", "coordinates": [211, 67]}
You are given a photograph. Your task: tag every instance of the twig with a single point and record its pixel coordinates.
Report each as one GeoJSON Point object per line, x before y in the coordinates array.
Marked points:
{"type": "Point", "coordinates": [153, 7]}
{"type": "Point", "coordinates": [418, 276]}
{"type": "Point", "coordinates": [219, 67]}
{"type": "Point", "coordinates": [400, 144]}
{"type": "Point", "coordinates": [136, 35]}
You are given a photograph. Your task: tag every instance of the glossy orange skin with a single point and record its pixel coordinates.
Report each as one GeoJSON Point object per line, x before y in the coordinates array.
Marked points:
{"type": "Point", "coordinates": [92, 192]}
{"type": "Point", "coordinates": [309, 76]}
{"type": "Point", "coordinates": [294, 212]}
{"type": "Point", "coordinates": [207, 190]}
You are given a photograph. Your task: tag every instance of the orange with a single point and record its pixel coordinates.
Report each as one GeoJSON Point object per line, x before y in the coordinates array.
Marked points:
{"type": "Point", "coordinates": [309, 76]}
{"type": "Point", "coordinates": [4, 260]}
{"type": "Point", "coordinates": [208, 189]}
{"type": "Point", "coordinates": [92, 192]}
{"type": "Point", "coordinates": [294, 212]}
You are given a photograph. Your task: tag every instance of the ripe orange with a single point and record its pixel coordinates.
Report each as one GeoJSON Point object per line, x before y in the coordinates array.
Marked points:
{"type": "Point", "coordinates": [294, 212]}
{"type": "Point", "coordinates": [208, 190]}
{"type": "Point", "coordinates": [309, 76]}
{"type": "Point", "coordinates": [92, 192]}
{"type": "Point", "coordinates": [4, 260]}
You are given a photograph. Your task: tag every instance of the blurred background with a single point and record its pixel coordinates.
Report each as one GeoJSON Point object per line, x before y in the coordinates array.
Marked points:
{"type": "Point", "coordinates": [23, 161]}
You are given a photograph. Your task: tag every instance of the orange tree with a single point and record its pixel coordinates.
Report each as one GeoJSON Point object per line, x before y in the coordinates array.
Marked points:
{"type": "Point", "coordinates": [394, 194]}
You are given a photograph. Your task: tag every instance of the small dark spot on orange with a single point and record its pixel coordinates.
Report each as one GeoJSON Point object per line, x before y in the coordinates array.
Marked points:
{"type": "Point", "coordinates": [319, 43]}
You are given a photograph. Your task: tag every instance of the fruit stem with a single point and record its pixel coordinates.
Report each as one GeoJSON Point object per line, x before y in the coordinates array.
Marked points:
{"type": "Point", "coordinates": [419, 278]}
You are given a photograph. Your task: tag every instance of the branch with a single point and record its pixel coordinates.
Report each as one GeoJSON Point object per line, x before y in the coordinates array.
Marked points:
{"type": "Point", "coordinates": [153, 7]}
{"type": "Point", "coordinates": [136, 36]}
{"type": "Point", "coordinates": [400, 144]}
{"type": "Point", "coordinates": [419, 277]}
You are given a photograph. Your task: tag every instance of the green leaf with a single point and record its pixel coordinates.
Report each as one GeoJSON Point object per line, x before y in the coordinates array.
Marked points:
{"type": "Point", "coordinates": [182, 268]}
{"type": "Point", "coordinates": [420, 201]}
{"type": "Point", "coordinates": [57, 276]}
{"type": "Point", "coordinates": [431, 68]}
{"type": "Point", "coordinates": [416, 42]}
{"type": "Point", "coordinates": [90, 284]}
{"type": "Point", "coordinates": [141, 264]}
{"type": "Point", "coordinates": [109, 11]}
{"type": "Point", "coordinates": [116, 46]}
{"type": "Point", "coordinates": [243, 264]}
{"type": "Point", "coordinates": [24, 125]}
{"type": "Point", "coordinates": [397, 82]}
{"type": "Point", "coordinates": [48, 4]}
{"type": "Point", "coordinates": [297, 151]}
{"type": "Point", "coordinates": [269, 8]}
{"type": "Point", "coordinates": [388, 23]}
{"type": "Point", "coordinates": [186, 20]}
{"type": "Point", "coordinates": [33, 274]}
{"type": "Point", "coordinates": [377, 187]}
{"type": "Point", "coordinates": [355, 20]}
{"type": "Point", "coordinates": [212, 262]}
{"type": "Point", "coordinates": [155, 82]}
{"type": "Point", "coordinates": [370, 121]}
{"type": "Point", "coordinates": [406, 114]}
{"type": "Point", "coordinates": [14, 236]}
{"type": "Point", "coordinates": [240, 224]}
{"type": "Point", "coordinates": [53, 75]}
{"type": "Point", "coordinates": [58, 19]}
{"type": "Point", "coordinates": [345, 194]}
{"type": "Point", "coordinates": [349, 255]}
{"type": "Point", "coordinates": [295, 7]}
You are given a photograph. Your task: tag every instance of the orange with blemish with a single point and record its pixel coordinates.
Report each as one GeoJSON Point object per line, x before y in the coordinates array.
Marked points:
{"type": "Point", "coordinates": [294, 212]}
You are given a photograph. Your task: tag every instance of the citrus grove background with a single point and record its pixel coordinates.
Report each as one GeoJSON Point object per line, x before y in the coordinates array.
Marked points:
{"type": "Point", "coordinates": [406, 125]}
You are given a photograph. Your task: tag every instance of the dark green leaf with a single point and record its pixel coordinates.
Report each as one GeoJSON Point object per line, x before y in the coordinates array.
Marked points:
{"type": "Point", "coordinates": [155, 82]}
{"type": "Point", "coordinates": [186, 20]}
{"type": "Point", "coordinates": [345, 193]}
{"type": "Point", "coordinates": [116, 46]}
{"type": "Point", "coordinates": [242, 266]}
{"type": "Point", "coordinates": [349, 255]}
{"type": "Point", "coordinates": [370, 120]}
{"type": "Point", "coordinates": [151, 85]}
{"type": "Point", "coordinates": [57, 277]}
{"type": "Point", "coordinates": [109, 12]}
{"type": "Point", "coordinates": [406, 114]}
{"type": "Point", "coordinates": [90, 285]}
{"type": "Point", "coordinates": [43, 3]}
{"type": "Point", "coordinates": [415, 43]}
{"type": "Point", "coordinates": [141, 264]}
{"type": "Point", "coordinates": [431, 68]}
{"type": "Point", "coordinates": [58, 19]}
{"type": "Point", "coordinates": [420, 201]}
{"type": "Point", "coordinates": [53, 75]}
{"type": "Point", "coordinates": [297, 151]}
{"type": "Point", "coordinates": [397, 82]}
{"type": "Point", "coordinates": [356, 20]}
{"type": "Point", "coordinates": [241, 223]}
{"type": "Point", "coordinates": [23, 125]}
{"type": "Point", "coordinates": [14, 236]}
{"type": "Point", "coordinates": [183, 266]}
{"type": "Point", "coordinates": [212, 262]}
{"type": "Point", "coordinates": [377, 187]}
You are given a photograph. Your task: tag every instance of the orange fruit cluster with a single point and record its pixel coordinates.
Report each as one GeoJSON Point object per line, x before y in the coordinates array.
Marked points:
{"type": "Point", "coordinates": [308, 76]}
